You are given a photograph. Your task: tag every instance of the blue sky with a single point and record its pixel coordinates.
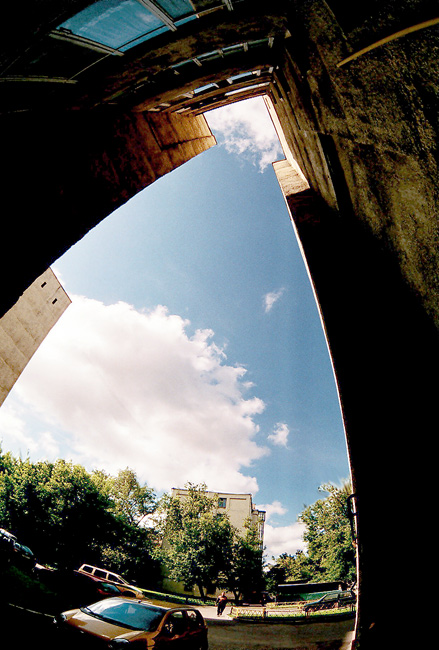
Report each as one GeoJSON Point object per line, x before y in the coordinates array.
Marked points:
{"type": "Point", "coordinates": [193, 348]}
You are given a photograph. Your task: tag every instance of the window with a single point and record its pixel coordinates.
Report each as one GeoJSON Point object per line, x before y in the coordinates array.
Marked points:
{"type": "Point", "coordinates": [222, 502]}
{"type": "Point", "coordinates": [116, 578]}
{"type": "Point", "coordinates": [113, 22]}
{"type": "Point", "coordinates": [203, 89]}
{"type": "Point", "coordinates": [194, 619]}
{"type": "Point", "coordinates": [87, 568]}
{"type": "Point", "coordinates": [175, 624]}
{"type": "Point", "coordinates": [121, 24]}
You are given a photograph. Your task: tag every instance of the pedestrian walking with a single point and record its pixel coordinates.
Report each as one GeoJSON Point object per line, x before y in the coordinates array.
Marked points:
{"type": "Point", "coordinates": [221, 603]}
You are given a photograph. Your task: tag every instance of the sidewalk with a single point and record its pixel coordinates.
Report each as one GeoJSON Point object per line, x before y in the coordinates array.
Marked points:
{"type": "Point", "coordinates": [210, 615]}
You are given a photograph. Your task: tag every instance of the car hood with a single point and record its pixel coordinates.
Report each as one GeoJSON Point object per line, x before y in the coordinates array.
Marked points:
{"type": "Point", "coordinates": [97, 627]}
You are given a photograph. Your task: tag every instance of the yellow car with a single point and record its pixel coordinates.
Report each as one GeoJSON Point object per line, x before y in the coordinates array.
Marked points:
{"type": "Point", "coordinates": [118, 622]}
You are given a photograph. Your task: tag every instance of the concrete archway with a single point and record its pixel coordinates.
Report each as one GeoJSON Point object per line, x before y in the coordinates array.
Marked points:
{"type": "Point", "coordinates": [85, 126]}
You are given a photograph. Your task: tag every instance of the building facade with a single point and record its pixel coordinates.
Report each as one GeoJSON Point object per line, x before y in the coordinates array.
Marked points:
{"type": "Point", "coordinates": [240, 510]}
{"type": "Point", "coordinates": [238, 507]}
{"type": "Point", "coordinates": [26, 325]}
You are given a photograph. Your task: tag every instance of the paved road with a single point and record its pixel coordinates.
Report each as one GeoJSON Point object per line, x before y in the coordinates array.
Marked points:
{"type": "Point", "coordinates": [224, 632]}
{"type": "Point", "coordinates": [282, 636]}
{"type": "Point", "coordinates": [227, 634]}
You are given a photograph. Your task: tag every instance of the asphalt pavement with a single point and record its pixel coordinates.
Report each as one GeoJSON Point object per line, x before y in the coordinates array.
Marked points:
{"type": "Point", "coordinates": [225, 633]}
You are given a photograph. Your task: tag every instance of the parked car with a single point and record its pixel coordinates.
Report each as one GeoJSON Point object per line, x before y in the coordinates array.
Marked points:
{"type": "Point", "coordinates": [111, 588]}
{"type": "Point", "coordinates": [14, 552]}
{"type": "Point", "coordinates": [24, 556]}
{"type": "Point", "coordinates": [5, 535]}
{"type": "Point", "coordinates": [330, 601]}
{"type": "Point", "coordinates": [87, 588]}
{"type": "Point", "coordinates": [124, 587]}
{"type": "Point", "coordinates": [74, 589]}
{"type": "Point", "coordinates": [7, 541]}
{"type": "Point", "coordinates": [117, 622]}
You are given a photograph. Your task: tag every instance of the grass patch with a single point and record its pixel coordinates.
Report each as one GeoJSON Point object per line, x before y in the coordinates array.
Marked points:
{"type": "Point", "coordinates": [23, 589]}
{"type": "Point", "coordinates": [176, 598]}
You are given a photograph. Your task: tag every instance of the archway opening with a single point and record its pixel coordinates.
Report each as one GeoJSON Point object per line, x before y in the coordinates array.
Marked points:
{"type": "Point", "coordinates": [204, 267]}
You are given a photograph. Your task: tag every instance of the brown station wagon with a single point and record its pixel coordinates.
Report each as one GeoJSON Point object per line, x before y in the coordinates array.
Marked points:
{"type": "Point", "coordinates": [125, 589]}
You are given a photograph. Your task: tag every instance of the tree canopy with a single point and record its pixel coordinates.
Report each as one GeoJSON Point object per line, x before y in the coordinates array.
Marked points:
{"type": "Point", "coordinates": [69, 516]}
{"type": "Point", "coordinates": [330, 550]}
{"type": "Point", "coordinates": [246, 577]}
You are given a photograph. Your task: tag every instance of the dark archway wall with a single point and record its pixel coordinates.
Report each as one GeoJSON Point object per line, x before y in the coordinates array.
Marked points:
{"type": "Point", "coordinates": [81, 145]}
{"type": "Point", "coordinates": [370, 127]}
{"type": "Point", "coordinates": [67, 170]}
{"type": "Point", "coordinates": [364, 133]}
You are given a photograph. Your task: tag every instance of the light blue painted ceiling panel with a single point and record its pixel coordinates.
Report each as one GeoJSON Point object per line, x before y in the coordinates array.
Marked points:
{"type": "Point", "coordinates": [114, 22]}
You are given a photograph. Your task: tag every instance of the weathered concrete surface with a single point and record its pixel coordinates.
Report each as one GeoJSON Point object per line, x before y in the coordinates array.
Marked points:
{"type": "Point", "coordinates": [363, 135]}
{"type": "Point", "coordinates": [26, 324]}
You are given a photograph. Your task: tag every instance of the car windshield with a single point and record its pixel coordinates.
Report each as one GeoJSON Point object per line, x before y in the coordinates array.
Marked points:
{"type": "Point", "coordinates": [26, 549]}
{"type": "Point", "coordinates": [109, 588]}
{"type": "Point", "coordinates": [134, 616]}
{"type": "Point", "coordinates": [117, 579]}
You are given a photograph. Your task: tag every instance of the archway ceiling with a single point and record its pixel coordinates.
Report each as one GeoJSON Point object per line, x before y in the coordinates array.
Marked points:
{"type": "Point", "coordinates": [192, 64]}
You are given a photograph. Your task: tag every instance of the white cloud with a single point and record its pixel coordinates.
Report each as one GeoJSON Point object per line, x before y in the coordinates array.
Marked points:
{"type": "Point", "coordinates": [270, 509]}
{"type": "Point", "coordinates": [279, 437]}
{"type": "Point", "coordinates": [130, 388]}
{"type": "Point", "coordinates": [283, 539]}
{"type": "Point", "coordinates": [247, 130]}
{"type": "Point", "coordinates": [13, 434]}
{"type": "Point", "coordinates": [271, 298]}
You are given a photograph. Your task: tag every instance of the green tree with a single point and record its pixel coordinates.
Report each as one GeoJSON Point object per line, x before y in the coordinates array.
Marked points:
{"type": "Point", "coordinates": [330, 547]}
{"type": "Point", "coordinates": [245, 572]}
{"type": "Point", "coordinates": [197, 546]}
{"type": "Point", "coordinates": [330, 552]}
{"type": "Point", "coordinates": [6, 487]}
{"type": "Point", "coordinates": [130, 500]}
{"type": "Point", "coordinates": [69, 516]}
{"type": "Point", "coordinates": [57, 510]}
{"type": "Point", "coordinates": [290, 568]}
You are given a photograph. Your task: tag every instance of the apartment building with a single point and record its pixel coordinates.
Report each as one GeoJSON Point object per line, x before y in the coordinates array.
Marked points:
{"type": "Point", "coordinates": [238, 507]}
